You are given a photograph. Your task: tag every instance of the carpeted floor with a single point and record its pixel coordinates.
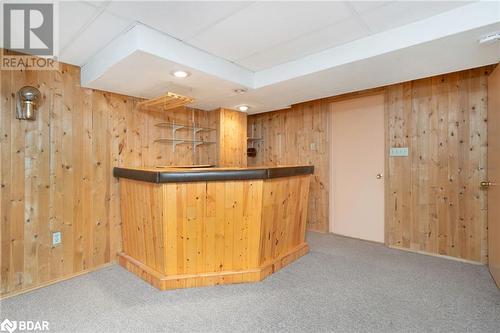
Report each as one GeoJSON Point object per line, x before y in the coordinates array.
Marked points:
{"type": "Point", "coordinates": [342, 285]}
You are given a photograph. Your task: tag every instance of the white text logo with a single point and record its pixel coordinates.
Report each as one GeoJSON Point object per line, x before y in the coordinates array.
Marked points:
{"type": "Point", "coordinates": [23, 325]}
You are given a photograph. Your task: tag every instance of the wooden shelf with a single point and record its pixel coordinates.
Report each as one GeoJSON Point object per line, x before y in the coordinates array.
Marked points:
{"type": "Point", "coordinates": [176, 142]}
{"type": "Point", "coordinates": [182, 140]}
{"type": "Point", "coordinates": [165, 102]}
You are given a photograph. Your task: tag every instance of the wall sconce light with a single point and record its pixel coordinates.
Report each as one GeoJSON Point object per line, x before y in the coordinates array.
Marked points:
{"type": "Point", "coordinates": [26, 102]}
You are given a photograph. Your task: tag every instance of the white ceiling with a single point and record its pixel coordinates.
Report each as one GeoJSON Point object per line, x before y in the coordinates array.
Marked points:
{"type": "Point", "coordinates": [282, 51]}
{"type": "Point", "coordinates": [255, 35]}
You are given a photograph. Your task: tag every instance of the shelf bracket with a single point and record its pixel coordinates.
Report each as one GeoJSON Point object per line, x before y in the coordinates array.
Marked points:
{"type": "Point", "coordinates": [195, 144]}
{"type": "Point", "coordinates": [175, 143]}
{"type": "Point", "coordinates": [174, 130]}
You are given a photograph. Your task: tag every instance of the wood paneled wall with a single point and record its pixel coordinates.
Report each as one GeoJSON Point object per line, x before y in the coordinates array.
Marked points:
{"type": "Point", "coordinates": [434, 202]}
{"type": "Point", "coordinates": [298, 135]}
{"type": "Point", "coordinates": [232, 137]}
{"type": "Point", "coordinates": [56, 173]}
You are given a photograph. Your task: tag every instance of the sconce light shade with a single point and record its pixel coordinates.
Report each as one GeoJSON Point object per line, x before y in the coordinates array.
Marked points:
{"type": "Point", "coordinates": [26, 102]}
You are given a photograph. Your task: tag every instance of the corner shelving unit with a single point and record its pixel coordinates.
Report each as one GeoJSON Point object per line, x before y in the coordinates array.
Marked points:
{"type": "Point", "coordinates": [171, 101]}
{"type": "Point", "coordinates": [174, 140]}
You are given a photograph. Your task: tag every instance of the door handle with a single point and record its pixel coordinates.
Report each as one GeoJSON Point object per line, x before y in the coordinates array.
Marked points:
{"type": "Point", "coordinates": [379, 176]}
{"type": "Point", "coordinates": [487, 184]}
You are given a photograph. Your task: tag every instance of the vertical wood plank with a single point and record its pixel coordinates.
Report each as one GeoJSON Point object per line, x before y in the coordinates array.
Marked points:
{"type": "Point", "coordinates": [6, 116]}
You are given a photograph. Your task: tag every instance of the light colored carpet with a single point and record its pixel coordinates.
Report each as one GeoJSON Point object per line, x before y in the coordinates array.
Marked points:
{"type": "Point", "coordinates": [342, 285]}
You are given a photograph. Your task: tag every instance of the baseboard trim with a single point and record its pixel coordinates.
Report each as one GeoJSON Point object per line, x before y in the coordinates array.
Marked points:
{"type": "Point", "coordinates": [318, 231]}
{"type": "Point", "coordinates": [360, 239]}
{"type": "Point", "coordinates": [50, 282]}
{"type": "Point", "coordinates": [436, 255]}
{"type": "Point", "coordinates": [168, 282]}
{"type": "Point", "coordinates": [413, 251]}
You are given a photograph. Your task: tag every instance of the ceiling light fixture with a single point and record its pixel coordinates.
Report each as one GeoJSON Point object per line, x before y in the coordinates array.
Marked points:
{"type": "Point", "coordinates": [240, 90]}
{"type": "Point", "coordinates": [243, 108]}
{"type": "Point", "coordinates": [180, 74]}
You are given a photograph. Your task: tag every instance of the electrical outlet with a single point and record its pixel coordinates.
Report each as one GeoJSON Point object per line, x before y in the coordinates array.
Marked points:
{"type": "Point", "coordinates": [56, 238]}
{"type": "Point", "coordinates": [312, 146]}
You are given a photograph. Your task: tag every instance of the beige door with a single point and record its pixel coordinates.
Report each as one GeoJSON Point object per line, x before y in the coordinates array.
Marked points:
{"type": "Point", "coordinates": [494, 174]}
{"type": "Point", "coordinates": [357, 168]}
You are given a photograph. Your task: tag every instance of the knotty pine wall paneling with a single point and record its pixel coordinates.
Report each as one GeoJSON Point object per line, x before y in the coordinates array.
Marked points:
{"type": "Point", "coordinates": [232, 137]}
{"type": "Point", "coordinates": [434, 202]}
{"type": "Point", "coordinates": [56, 173]}
{"type": "Point", "coordinates": [298, 135]}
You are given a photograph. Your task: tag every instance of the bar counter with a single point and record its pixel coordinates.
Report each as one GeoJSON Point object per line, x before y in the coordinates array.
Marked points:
{"type": "Point", "coordinates": [191, 227]}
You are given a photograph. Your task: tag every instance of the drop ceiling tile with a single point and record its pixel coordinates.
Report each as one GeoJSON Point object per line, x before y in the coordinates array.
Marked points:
{"type": "Point", "coordinates": [73, 16]}
{"type": "Point", "coordinates": [99, 33]}
{"type": "Point", "coordinates": [265, 24]}
{"type": "Point", "coordinates": [363, 6]}
{"type": "Point", "coordinates": [337, 34]}
{"type": "Point", "coordinates": [178, 19]}
{"type": "Point", "coordinates": [404, 12]}
{"type": "Point", "coordinates": [97, 4]}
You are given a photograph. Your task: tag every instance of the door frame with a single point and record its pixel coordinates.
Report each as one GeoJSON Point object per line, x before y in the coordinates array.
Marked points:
{"type": "Point", "coordinates": [382, 91]}
{"type": "Point", "coordinates": [491, 226]}
{"type": "Point", "coordinates": [387, 180]}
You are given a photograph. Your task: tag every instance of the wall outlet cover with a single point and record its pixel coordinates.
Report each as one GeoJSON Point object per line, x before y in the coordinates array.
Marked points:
{"type": "Point", "coordinates": [56, 238]}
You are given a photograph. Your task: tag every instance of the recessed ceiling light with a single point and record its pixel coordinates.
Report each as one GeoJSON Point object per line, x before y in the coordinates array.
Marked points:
{"type": "Point", "coordinates": [243, 108]}
{"type": "Point", "coordinates": [240, 90]}
{"type": "Point", "coordinates": [180, 74]}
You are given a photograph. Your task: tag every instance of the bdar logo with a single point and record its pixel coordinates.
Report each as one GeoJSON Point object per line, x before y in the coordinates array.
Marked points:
{"type": "Point", "coordinates": [8, 326]}
{"type": "Point", "coordinates": [24, 325]}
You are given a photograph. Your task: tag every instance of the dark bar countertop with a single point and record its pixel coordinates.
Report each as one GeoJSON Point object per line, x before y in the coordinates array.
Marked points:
{"type": "Point", "coordinates": [208, 173]}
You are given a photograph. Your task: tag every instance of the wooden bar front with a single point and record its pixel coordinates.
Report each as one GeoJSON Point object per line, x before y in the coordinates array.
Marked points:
{"type": "Point", "coordinates": [190, 234]}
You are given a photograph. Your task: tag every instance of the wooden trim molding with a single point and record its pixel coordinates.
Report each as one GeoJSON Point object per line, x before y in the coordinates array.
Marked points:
{"type": "Point", "coordinates": [48, 283]}
{"type": "Point", "coordinates": [435, 255]}
{"type": "Point", "coordinates": [164, 282]}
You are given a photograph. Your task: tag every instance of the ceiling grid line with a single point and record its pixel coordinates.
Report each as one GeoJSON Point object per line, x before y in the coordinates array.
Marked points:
{"type": "Point", "coordinates": [359, 18]}
{"type": "Point", "coordinates": [186, 39]}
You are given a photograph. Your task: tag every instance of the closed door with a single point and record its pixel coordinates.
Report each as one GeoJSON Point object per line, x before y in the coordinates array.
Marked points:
{"type": "Point", "coordinates": [357, 168]}
{"type": "Point", "coordinates": [494, 174]}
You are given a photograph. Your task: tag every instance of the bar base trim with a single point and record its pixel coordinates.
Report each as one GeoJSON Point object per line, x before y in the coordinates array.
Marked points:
{"type": "Point", "coordinates": [164, 282]}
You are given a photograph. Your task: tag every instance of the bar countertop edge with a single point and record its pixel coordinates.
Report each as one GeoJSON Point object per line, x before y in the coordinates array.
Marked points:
{"type": "Point", "coordinates": [177, 175]}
